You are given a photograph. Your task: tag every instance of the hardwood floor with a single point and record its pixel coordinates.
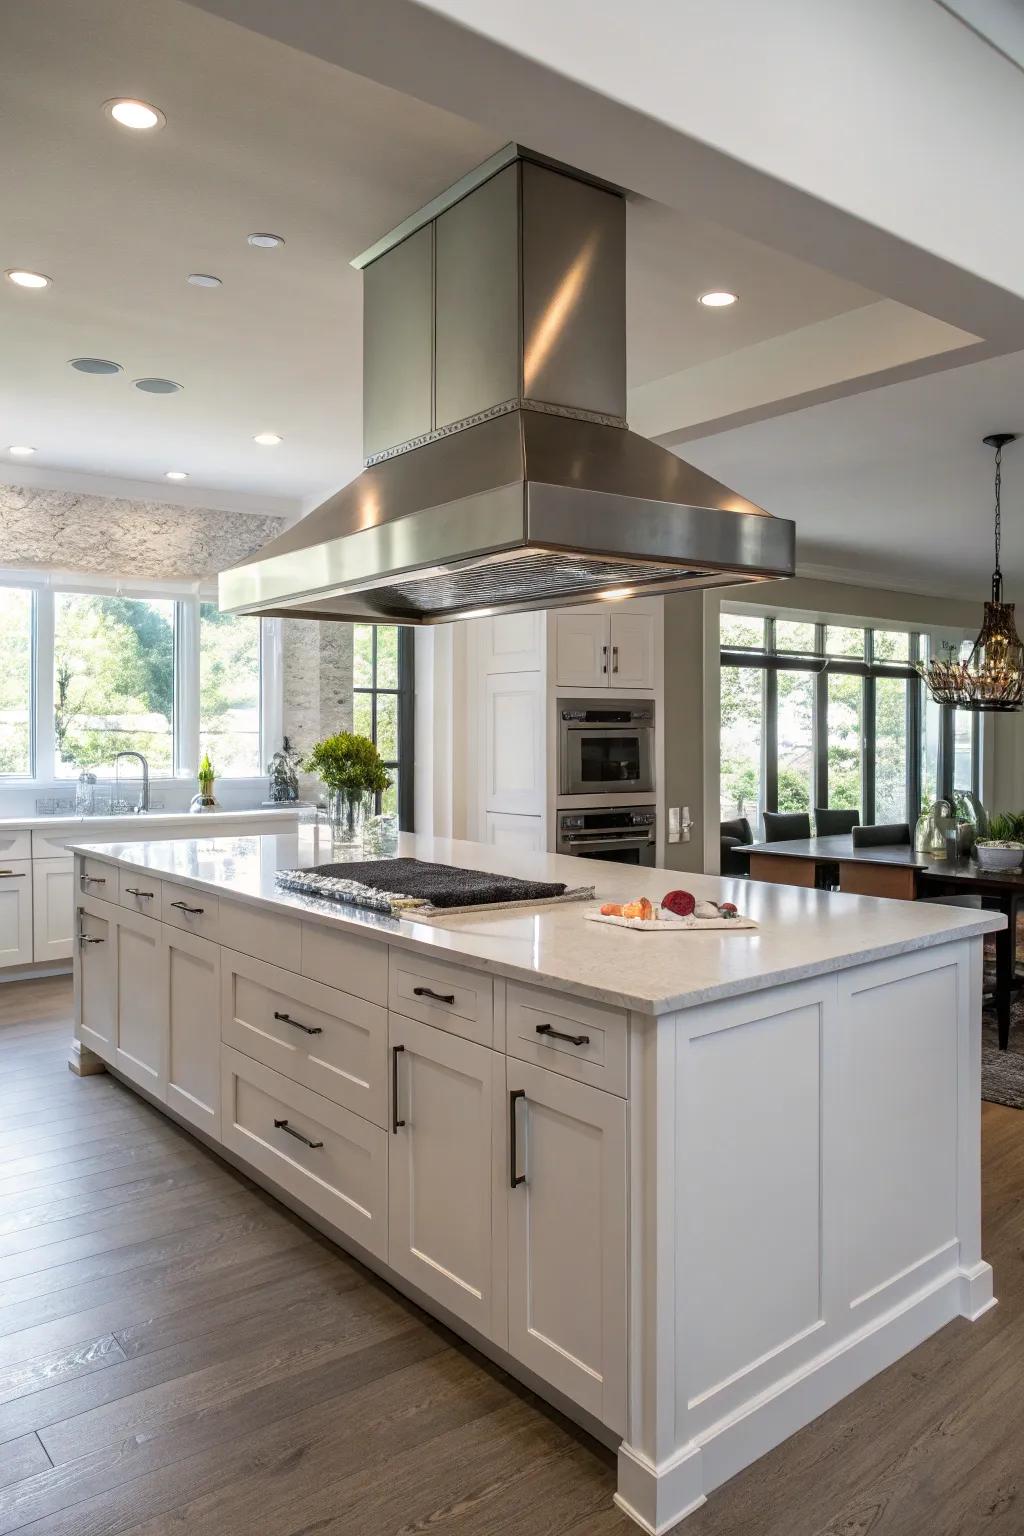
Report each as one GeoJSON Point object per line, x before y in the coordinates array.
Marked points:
{"type": "Point", "coordinates": [179, 1354]}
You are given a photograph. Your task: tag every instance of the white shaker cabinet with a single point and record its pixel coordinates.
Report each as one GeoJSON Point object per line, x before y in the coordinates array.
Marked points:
{"type": "Point", "coordinates": [444, 1171]}
{"type": "Point", "coordinates": [140, 1038]}
{"type": "Point", "coordinates": [15, 912]}
{"type": "Point", "coordinates": [567, 1237]}
{"type": "Point", "coordinates": [631, 649]}
{"type": "Point", "coordinates": [53, 908]}
{"type": "Point", "coordinates": [193, 1028]}
{"type": "Point", "coordinates": [95, 979]}
{"type": "Point", "coordinates": [606, 647]}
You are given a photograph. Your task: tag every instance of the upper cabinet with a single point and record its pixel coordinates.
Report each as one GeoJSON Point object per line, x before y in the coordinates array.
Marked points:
{"type": "Point", "coordinates": [604, 648]}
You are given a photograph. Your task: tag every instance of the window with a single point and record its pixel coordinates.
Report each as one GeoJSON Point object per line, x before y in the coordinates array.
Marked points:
{"type": "Point", "coordinates": [382, 706]}
{"type": "Point", "coordinates": [16, 681]}
{"type": "Point", "coordinates": [229, 692]}
{"type": "Point", "coordinates": [815, 713]}
{"type": "Point", "coordinates": [113, 681]}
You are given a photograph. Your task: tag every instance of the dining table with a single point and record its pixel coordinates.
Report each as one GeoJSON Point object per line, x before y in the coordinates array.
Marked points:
{"type": "Point", "coordinates": [900, 872]}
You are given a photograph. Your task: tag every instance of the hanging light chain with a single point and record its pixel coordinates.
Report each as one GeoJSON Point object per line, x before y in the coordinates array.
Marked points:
{"type": "Point", "coordinates": [999, 510]}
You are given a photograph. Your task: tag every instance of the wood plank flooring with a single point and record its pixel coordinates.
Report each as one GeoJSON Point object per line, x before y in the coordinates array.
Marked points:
{"type": "Point", "coordinates": [180, 1355]}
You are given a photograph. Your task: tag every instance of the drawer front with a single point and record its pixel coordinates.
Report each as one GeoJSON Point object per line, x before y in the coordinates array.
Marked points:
{"type": "Point", "coordinates": [54, 845]}
{"type": "Point", "coordinates": [330, 1042]}
{"type": "Point", "coordinates": [97, 879]}
{"type": "Point", "coordinates": [139, 892]}
{"type": "Point", "coordinates": [343, 960]}
{"type": "Point", "coordinates": [342, 1176]}
{"type": "Point", "coordinates": [449, 996]}
{"type": "Point", "coordinates": [266, 935]}
{"type": "Point", "coordinates": [15, 845]}
{"type": "Point", "coordinates": [569, 1035]}
{"type": "Point", "coordinates": [192, 911]}
{"type": "Point", "coordinates": [15, 912]}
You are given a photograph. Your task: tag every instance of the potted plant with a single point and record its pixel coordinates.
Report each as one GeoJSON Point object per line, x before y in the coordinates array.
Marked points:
{"type": "Point", "coordinates": [350, 769]}
{"type": "Point", "coordinates": [205, 800]}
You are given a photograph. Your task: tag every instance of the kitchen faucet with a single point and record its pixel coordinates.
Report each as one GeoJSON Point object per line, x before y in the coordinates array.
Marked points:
{"type": "Point", "coordinates": [144, 800]}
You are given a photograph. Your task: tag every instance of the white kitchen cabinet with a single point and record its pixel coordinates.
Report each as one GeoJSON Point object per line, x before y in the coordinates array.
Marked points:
{"type": "Point", "coordinates": [53, 908]}
{"type": "Point", "coordinates": [606, 647]}
{"type": "Point", "coordinates": [514, 743]}
{"type": "Point", "coordinates": [567, 1237]}
{"type": "Point", "coordinates": [444, 1177]}
{"type": "Point", "coordinates": [95, 979]}
{"type": "Point", "coordinates": [193, 1028]}
{"type": "Point", "coordinates": [140, 1036]}
{"type": "Point", "coordinates": [15, 912]}
{"type": "Point", "coordinates": [513, 642]}
{"type": "Point", "coordinates": [505, 830]}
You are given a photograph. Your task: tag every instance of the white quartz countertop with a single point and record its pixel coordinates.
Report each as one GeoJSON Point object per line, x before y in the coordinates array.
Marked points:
{"type": "Point", "coordinates": [801, 933]}
{"type": "Point", "coordinates": [148, 819]}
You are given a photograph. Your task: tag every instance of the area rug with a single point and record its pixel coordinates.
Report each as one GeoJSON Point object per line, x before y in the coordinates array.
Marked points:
{"type": "Point", "coordinates": [1002, 1072]}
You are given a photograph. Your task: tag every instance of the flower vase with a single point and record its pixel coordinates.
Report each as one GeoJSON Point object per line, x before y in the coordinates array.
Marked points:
{"type": "Point", "coordinates": [347, 813]}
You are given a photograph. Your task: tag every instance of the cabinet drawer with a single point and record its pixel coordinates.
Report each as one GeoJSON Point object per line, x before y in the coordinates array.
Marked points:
{"type": "Point", "coordinates": [342, 1176]}
{"type": "Point", "coordinates": [15, 845]}
{"type": "Point", "coordinates": [446, 995]}
{"type": "Point", "coordinates": [266, 935]}
{"type": "Point", "coordinates": [192, 911]}
{"type": "Point", "coordinates": [595, 1052]}
{"type": "Point", "coordinates": [139, 892]}
{"type": "Point", "coordinates": [355, 965]}
{"type": "Point", "coordinates": [330, 1042]}
{"type": "Point", "coordinates": [95, 878]}
{"type": "Point", "coordinates": [54, 845]}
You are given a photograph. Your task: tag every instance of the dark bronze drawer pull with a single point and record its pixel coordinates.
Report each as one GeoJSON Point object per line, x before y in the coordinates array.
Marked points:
{"type": "Point", "coordinates": [435, 997]}
{"type": "Point", "coordinates": [94, 879]}
{"type": "Point", "coordinates": [282, 1125]}
{"type": "Point", "coordinates": [556, 1034]}
{"type": "Point", "coordinates": [286, 1018]}
{"type": "Point", "coordinates": [515, 1179]}
{"type": "Point", "coordinates": [395, 1122]}
{"type": "Point", "coordinates": [133, 890]}
{"type": "Point", "coordinates": [87, 938]}
{"type": "Point", "coordinates": [11, 874]}
{"type": "Point", "coordinates": [183, 906]}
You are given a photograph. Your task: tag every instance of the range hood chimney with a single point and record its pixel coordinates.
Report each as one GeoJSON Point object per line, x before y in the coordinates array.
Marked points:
{"type": "Point", "coordinates": [500, 473]}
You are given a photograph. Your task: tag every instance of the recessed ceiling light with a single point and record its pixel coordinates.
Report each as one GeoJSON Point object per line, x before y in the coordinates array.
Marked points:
{"type": "Point", "coordinates": [20, 450]}
{"type": "Point", "coordinates": [718, 298]}
{"type": "Point", "coordinates": [175, 474]}
{"type": "Point", "coordinates": [157, 386]}
{"type": "Point", "coordinates": [203, 280]}
{"type": "Point", "coordinates": [131, 113]}
{"type": "Point", "coordinates": [94, 365]}
{"type": "Point", "coordinates": [27, 279]}
{"type": "Point", "coordinates": [265, 242]}
{"type": "Point", "coordinates": [267, 439]}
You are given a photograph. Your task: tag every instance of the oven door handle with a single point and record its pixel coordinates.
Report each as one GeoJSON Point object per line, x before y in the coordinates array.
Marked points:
{"type": "Point", "coordinates": [601, 843]}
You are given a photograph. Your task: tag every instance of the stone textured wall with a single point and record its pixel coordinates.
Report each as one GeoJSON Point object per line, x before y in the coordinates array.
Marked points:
{"type": "Point", "coordinates": [154, 541]}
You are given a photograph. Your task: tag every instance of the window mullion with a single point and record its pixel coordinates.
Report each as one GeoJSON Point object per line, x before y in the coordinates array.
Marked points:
{"type": "Point", "coordinates": [44, 767]}
{"type": "Point", "coordinates": [186, 687]}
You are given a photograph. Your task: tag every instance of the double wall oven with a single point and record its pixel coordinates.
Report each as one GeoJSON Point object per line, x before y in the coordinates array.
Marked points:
{"type": "Point", "coordinates": [606, 753]}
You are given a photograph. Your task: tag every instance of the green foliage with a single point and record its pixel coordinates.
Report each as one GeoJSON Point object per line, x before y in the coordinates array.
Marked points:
{"type": "Point", "coordinates": [205, 774]}
{"type": "Point", "coordinates": [1006, 827]}
{"type": "Point", "coordinates": [113, 679]}
{"type": "Point", "coordinates": [350, 763]}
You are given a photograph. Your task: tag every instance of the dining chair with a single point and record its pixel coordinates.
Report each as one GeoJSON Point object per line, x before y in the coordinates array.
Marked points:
{"type": "Point", "coordinates": [833, 823]}
{"type": "Point", "coordinates": [889, 835]}
{"type": "Point", "coordinates": [786, 826]}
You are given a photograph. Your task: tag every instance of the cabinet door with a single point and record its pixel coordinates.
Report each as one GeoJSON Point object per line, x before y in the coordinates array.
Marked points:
{"type": "Point", "coordinates": [508, 831]}
{"type": "Point", "coordinates": [53, 908]}
{"type": "Point", "coordinates": [193, 1028]}
{"type": "Point", "coordinates": [95, 981]}
{"type": "Point", "coordinates": [632, 650]}
{"type": "Point", "coordinates": [15, 912]}
{"type": "Point", "coordinates": [443, 1171]}
{"type": "Point", "coordinates": [140, 1038]}
{"type": "Point", "coordinates": [567, 1238]}
{"type": "Point", "coordinates": [581, 649]}
{"type": "Point", "coordinates": [514, 746]}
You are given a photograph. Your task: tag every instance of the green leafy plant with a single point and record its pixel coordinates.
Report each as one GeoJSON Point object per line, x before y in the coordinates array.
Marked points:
{"type": "Point", "coordinates": [350, 764]}
{"type": "Point", "coordinates": [1007, 826]}
{"type": "Point", "coordinates": [206, 775]}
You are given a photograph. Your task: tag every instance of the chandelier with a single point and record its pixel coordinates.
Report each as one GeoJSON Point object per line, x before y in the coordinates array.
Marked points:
{"type": "Point", "coordinates": [991, 675]}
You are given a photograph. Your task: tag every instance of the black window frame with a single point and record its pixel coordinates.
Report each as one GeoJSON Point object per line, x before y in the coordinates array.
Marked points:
{"type": "Point", "coordinates": [773, 661]}
{"type": "Point", "coordinates": [405, 694]}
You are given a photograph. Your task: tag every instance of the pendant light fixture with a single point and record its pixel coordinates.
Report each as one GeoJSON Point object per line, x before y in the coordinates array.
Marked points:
{"type": "Point", "coordinates": [991, 676]}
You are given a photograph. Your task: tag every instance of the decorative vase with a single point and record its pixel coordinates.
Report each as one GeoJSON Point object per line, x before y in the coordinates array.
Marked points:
{"type": "Point", "coordinates": [347, 813]}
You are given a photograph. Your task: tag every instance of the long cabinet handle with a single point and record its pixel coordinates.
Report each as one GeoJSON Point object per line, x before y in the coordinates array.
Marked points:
{"type": "Point", "coordinates": [395, 1121]}
{"type": "Point", "coordinates": [12, 874]}
{"type": "Point", "coordinates": [94, 879]}
{"type": "Point", "coordinates": [557, 1034]}
{"type": "Point", "coordinates": [133, 890]}
{"type": "Point", "coordinates": [286, 1018]}
{"type": "Point", "coordinates": [514, 1178]}
{"type": "Point", "coordinates": [282, 1125]}
{"type": "Point", "coordinates": [435, 997]}
{"type": "Point", "coordinates": [604, 658]}
{"type": "Point", "coordinates": [183, 906]}
{"type": "Point", "coordinates": [87, 938]}
{"type": "Point", "coordinates": [615, 658]}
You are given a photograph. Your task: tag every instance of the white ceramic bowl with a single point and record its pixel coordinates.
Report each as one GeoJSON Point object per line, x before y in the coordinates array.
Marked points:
{"type": "Point", "coordinates": [999, 858]}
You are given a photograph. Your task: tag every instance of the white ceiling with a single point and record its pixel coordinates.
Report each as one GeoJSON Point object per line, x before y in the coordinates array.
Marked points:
{"type": "Point", "coordinates": [258, 137]}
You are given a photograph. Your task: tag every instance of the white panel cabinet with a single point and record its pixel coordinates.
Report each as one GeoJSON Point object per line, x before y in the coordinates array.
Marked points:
{"type": "Point", "coordinates": [514, 742]}
{"type": "Point", "coordinates": [631, 654]}
{"type": "Point", "coordinates": [605, 647]}
{"type": "Point", "coordinates": [510, 831]}
{"type": "Point", "coordinates": [53, 908]}
{"type": "Point", "coordinates": [446, 1105]}
{"type": "Point", "coordinates": [95, 979]}
{"type": "Point", "coordinates": [193, 1028]}
{"type": "Point", "coordinates": [513, 642]}
{"type": "Point", "coordinates": [15, 912]}
{"type": "Point", "coordinates": [140, 1039]}
{"type": "Point", "coordinates": [567, 1237]}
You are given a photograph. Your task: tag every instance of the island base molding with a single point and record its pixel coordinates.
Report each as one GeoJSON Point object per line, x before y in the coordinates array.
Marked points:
{"type": "Point", "coordinates": [83, 1062]}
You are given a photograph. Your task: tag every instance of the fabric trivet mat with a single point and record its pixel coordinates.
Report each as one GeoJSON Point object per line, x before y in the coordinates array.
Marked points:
{"type": "Point", "coordinates": [413, 887]}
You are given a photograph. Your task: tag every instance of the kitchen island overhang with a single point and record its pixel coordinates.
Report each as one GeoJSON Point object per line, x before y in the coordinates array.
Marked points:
{"type": "Point", "coordinates": [773, 1135]}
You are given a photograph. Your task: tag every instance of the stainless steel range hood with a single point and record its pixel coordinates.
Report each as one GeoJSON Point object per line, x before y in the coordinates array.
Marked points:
{"type": "Point", "coordinates": [500, 473]}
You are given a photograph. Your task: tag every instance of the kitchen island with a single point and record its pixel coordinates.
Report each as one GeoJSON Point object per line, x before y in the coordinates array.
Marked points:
{"type": "Point", "coordinates": [692, 1188]}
